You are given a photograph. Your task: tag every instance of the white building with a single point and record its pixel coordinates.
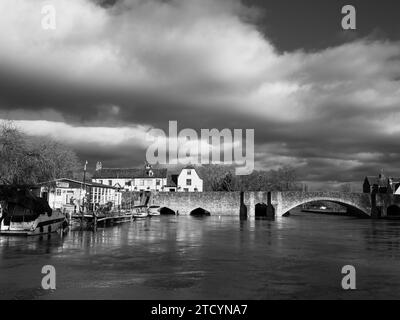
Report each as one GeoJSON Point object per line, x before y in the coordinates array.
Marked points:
{"type": "Point", "coordinates": [189, 180]}
{"type": "Point", "coordinates": [149, 179]}
{"type": "Point", "coordinates": [132, 179]}
{"type": "Point", "coordinates": [69, 194]}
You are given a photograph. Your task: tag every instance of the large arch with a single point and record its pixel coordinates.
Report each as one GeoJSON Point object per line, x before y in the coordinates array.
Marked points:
{"type": "Point", "coordinates": [352, 207]}
{"type": "Point", "coordinates": [393, 211]}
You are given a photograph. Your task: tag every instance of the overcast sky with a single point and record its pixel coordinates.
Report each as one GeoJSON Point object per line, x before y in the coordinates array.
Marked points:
{"type": "Point", "coordinates": [322, 99]}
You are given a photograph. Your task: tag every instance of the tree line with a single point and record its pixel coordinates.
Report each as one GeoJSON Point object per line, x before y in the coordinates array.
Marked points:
{"type": "Point", "coordinates": [26, 160]}
{"type": "Point", "coordinates": [223, 178]}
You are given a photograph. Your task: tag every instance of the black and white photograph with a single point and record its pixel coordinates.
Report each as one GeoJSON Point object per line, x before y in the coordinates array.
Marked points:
{"type": "Point", "coordinates": [199, 150]}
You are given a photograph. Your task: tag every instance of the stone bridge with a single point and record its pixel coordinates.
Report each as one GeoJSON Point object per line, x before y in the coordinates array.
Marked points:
{"type": "Point", "coordinates": [283, 202]}
{"type": "Point", "coordinates": [279, 203]}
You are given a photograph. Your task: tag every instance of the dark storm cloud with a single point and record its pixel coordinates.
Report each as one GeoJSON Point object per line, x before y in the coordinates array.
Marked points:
{"type": "Point", "coordinates": [100, 81]}
{"type": "Point", "coordinates": [315, 24]}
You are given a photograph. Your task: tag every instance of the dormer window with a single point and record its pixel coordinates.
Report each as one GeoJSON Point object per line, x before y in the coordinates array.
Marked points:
{"type": "Point", "coordinates": [151, 173]}
{"type": "Point", "coordinates": [189, 172]}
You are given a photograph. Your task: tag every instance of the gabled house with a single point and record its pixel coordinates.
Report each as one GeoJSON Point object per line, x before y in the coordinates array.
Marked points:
{"type": "Point", "coordinates": [132, 179]}
{"type": "Point", "coordinates": [394, 184]}
{"type": "Point", "coordinates": [189, 180]}
{"type": "Point", "coordinates": [149, 179]}
{"type": "Point", "coordinates": [381, 184]}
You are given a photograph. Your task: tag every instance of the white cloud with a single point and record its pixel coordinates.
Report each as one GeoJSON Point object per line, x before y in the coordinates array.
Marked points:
{"type": "Point", "coordinates": [203, 53]}
{"type": "Point", "coordinates": [75, 135]}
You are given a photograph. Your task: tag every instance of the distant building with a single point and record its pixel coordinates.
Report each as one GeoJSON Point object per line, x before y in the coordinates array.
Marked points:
{"type": "Point", "coordinates": [381, 184]}
{"type": "Point", "coordinates": [68, 193]}
{"type": "Point", "coordinates": [189, 180]}
{"type": "Point", "coordinates": [132, 179]}
{"type": "Point", "coordinates": [101, 194]}
{"type": "Point", "coordinates": [149, 179]}
{"type": "Point", "coordinates": [394, 185]}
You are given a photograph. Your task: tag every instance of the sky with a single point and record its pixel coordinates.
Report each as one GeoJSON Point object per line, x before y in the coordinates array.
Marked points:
{"type": "Point", "coordinates": [319, 98]}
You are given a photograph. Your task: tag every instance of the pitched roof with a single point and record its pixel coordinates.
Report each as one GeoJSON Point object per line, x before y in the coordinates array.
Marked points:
{"type": "Point", "coordinates": [381, 182]}
{"type": "Point", "coordinates": [372, 180]}
{"type": "Point", "coordinates": [77, 183]}
{"type": "Point", "coordinates": [100, 185]}
{"type": "Point", "coordinates": [128, 173]}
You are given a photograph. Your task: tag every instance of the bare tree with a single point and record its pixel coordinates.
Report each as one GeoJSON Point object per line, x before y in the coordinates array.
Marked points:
{"type": "Point", "coordinates": [27, 160]}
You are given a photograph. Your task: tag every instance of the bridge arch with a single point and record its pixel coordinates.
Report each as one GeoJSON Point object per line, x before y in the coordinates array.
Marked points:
{"type": "Point", "coordinates": [393, 211]}
{"type": "Point", "coordinates": [352, 206]}
{"type": "Point", "coordinates": [167, 211]}
{"type": "Point", "coordinates": [260, 210]}
{"type": "Point", "coordinates": [200, 212]}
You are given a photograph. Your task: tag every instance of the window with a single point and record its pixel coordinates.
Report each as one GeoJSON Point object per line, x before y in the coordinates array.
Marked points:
{"type": "Point", "coordinates": [110, 182]}
{"type": "Point", "coordinates": [186, 189]}
{"type": "Point", "coordinates": [101, 181]}
{"type": "Point", "coordinates": [188, 182]}
{"type": "Point", "coordinates": [189, 172]}
{"type": "Point", "coordinates": [58, 192]}
{"type": "Point", "coordinates": [157, 182]}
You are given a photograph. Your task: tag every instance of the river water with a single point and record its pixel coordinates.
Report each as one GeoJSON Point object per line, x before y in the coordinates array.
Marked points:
{"type": "Point", "coordinates": [183, 257]}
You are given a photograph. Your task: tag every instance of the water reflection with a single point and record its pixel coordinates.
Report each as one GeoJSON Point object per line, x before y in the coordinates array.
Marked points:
{"type": "Point", "coordinates": [209, 257]}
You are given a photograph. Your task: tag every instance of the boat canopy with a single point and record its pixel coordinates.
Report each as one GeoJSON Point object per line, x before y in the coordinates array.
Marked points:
{"type": "Point", "coordinates": [21, 201]}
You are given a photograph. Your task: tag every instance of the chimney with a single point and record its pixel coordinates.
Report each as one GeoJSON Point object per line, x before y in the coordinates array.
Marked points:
{"type": "Point", "coordinates": [99, 166]}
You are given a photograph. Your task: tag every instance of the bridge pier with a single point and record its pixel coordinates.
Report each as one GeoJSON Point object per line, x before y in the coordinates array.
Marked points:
{"type": "Point", "coordinates": [270, 207]}
{"type": "Point", "coordinates": [243, 208]}
{"type": "Point", "coordinates": [375, 211]}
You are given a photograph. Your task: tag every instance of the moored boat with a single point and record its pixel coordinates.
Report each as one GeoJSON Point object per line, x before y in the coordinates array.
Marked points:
{"type": "Point", "coordinates": [25, 214]}
{"type": "Point", "coordinates": [154, 210]}
{"type": "Point", "coordinates": [140, 212]}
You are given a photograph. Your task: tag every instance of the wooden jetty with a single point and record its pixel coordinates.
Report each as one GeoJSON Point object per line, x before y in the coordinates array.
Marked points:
{"type": "Point", "coordinates": [105, 215]}
{"type": "Point", "coordinates": [93, 220]}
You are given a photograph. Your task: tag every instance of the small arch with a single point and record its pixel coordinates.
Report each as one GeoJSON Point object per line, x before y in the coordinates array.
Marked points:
{"type": "Point", "coordinates": [261, 210]}
{"type": "Point", "coordinates": [166, 211]}
{"type": "Point", "coordinates": [393, 211]}
{"type": "Point", "coordinates": [199, 212]}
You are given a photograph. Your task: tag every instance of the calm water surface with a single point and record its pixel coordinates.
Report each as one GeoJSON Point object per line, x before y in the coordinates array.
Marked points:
{"type": "Point", "coordinates": [297, 257]}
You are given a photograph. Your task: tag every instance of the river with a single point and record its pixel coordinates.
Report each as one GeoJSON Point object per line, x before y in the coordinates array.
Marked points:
{"type": "Point", "coordinates": [183, 257]}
